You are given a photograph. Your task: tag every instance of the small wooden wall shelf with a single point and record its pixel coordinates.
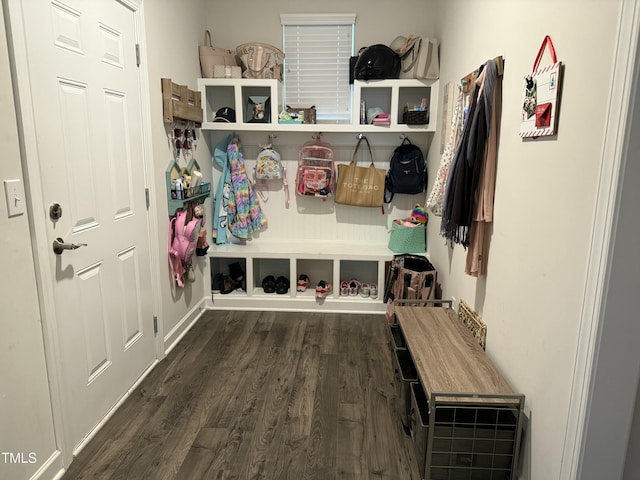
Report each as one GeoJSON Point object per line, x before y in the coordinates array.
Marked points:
{"type": "Point", "coordinates": [189, 195]}
{"type": "Point", "coordinates": [180, 104]}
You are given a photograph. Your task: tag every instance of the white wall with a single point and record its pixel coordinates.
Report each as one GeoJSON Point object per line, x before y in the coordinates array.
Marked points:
{"type": "Point", "coordinates": [311, 219]}
{"type": "Point", "coordinates": [546, 190]}
{"type": "Point", "coordinates": [378, 21]}
{"type": "Point", "coordinates": [173, 34]}
{"type": "Point", "coordinates": [26, 421]}
{"type": "Point", "coordinates": [545, 195]}
{"type": "Point", "coordinates": [545, 199]}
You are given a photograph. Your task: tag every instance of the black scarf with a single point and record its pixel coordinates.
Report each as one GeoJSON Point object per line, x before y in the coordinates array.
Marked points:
{"type": "Point", "coordinates": [459, 199]}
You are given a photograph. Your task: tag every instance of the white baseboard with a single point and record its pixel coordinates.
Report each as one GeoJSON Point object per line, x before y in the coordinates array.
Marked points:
{"type": "Point", "coordinates": [51, 469]}
{"type": "Point", "coordinates": [183, 326]}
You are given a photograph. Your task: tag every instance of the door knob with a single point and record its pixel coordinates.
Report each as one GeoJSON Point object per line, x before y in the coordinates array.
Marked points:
{"type": "Point", "coordinates": [59, 246]}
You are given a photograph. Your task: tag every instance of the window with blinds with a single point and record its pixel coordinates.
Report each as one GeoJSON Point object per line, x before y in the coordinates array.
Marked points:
{"type": "Point", "coordinates": [317, 49]}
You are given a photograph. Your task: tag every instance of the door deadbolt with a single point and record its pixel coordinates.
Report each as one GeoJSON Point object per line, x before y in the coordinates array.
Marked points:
{"type": "Point", "coordinates": [55, 211]}
{"type": "Point", "coordinates": [59, 246]}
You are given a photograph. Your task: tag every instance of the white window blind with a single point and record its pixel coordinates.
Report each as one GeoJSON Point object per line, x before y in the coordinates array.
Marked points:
{"type": "Point", "coordinates": [317, 49]}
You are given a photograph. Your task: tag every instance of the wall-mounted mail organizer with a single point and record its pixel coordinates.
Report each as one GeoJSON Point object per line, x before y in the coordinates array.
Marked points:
{"type": "Point", "coordinates": [184, 184]}
{"type": "Point", "coordinates": [179, 103]}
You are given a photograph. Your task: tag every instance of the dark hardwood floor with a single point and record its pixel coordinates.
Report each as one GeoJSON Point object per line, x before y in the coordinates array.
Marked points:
{"type": "Point", "coordinates": [261, 395]}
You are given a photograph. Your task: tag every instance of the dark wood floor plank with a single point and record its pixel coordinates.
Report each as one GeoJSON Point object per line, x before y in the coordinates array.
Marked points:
{"type": "Point", "coordinates": [321, 452]}
{"type": "Point", "coordinates": [261, 395]}
{"type": "Point", "coordinates": [152, 393]}
{"type": "Point", "coordinates": [202, 454]}
{"type": "Point", "coordinates": [351, 462]}
{"type": "Point", "coordinates": [349, 377]}
{"type": "Point", "coordinates": [290, 458]}
{"type": "Point", "coordinates": [244, 361]}
{"type": "Point", "coordinates": [174, 427]}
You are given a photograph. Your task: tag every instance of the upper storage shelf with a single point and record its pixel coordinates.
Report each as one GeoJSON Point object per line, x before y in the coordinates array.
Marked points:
{"type": "Point", "coordinates": [243, 94]}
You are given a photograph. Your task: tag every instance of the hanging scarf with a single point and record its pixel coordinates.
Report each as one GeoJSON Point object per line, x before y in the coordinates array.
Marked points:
{"type": "Point", "coordinates": [467, 162]}
{"type": "Point", "coordinates": [436, 197]}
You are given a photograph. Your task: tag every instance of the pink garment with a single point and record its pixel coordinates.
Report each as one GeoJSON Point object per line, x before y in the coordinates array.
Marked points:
{"type": "Point", "coordinates": [479, 236]}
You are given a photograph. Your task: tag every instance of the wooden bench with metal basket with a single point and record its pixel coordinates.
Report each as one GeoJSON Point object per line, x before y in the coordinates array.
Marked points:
{"type": "Point", "coordinates": [463, 416]}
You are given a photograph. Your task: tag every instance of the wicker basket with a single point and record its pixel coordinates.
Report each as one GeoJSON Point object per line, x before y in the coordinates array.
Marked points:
{"type": "Point", "coordinates": [415, 117]}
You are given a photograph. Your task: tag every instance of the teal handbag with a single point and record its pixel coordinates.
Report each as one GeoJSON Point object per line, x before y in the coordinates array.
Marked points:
{"type": "Point", "coordinates": [405, 239]}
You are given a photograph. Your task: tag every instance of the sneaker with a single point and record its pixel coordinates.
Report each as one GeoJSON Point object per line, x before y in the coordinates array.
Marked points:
{"type": "Point", "coordinates": [302, 283]}
{"type": "Point", "coordinates": [282, 285]}
{"type": "Point", "coordinates": [344, 288]}
{"type": "Point", "coordinates": [354, 286]}
{"type": "Point", "coordinates": [364, 290]}
{"type": "Point", "coordinates": [323, 289]}
{"type": "Point", "coordinates": [373, 290]}
{"type": "Point", "coordinates": [228, 285]}
{"type": "Point", "coordinates": [269, 284]}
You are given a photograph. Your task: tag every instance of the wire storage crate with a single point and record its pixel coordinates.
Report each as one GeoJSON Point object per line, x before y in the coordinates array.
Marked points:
{"type": "Point", "coordinates": [466, 410]}
{"type": "Point", "coordinates": [405, 373]}
{"type": "Point", "coordinates": [475, 437]}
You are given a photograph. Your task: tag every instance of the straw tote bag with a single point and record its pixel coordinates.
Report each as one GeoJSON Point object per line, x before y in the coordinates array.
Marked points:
{"type": "Point", "coordinates": [360, 186]}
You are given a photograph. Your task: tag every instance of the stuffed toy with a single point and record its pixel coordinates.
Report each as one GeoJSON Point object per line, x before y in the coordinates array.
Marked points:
{"type": "Point", "coordinates": [419, 216]}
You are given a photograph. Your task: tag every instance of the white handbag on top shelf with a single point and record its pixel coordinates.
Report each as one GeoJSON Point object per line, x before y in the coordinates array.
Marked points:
{"type": "Point", "coordinates": [419, 57]}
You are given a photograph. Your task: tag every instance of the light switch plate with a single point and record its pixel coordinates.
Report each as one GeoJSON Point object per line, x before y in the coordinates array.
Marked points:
{"type": "Point", "coordinates": [14, 194]}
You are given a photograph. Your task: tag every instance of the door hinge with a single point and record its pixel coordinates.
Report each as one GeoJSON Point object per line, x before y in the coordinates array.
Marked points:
{"type": "Point", "coordinates": [137, 54]}
{"type": "Point", "coordinates": [146, 197]}
{"type": "Point", "coordinates": [155, 324]}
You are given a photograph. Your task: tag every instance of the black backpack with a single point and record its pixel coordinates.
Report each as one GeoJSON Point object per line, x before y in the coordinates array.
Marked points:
{"type": "Point", "coordinates": [407, 171]}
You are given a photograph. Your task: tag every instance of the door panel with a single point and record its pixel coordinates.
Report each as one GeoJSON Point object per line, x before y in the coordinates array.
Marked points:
{"type": "Point", "coordinates": [88, 128]}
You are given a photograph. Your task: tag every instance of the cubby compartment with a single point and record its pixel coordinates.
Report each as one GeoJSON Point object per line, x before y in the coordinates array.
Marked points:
{"type": "Point", "coordinates": [363, 271]}
{"type": "Point", "coordinates": [277, 267]}
{"type": "Point", "coordinates": [316, 270]}
{"type": "Point", "coordinates": [242, 94]}
{"type": "Point", "coordinates": [221, 266]}
{"type": "Point", "coordinates": [256, 103]}
{"type": "Point", "coordinates": [217, 97]}
{"type": "Point", "coordinates": [392, 96]}
{"type": "Point", "coordinates": [373, 97]}
{"type": "Point", "coordinates": [410, 97]}
{"type": "Point", "coordinates": [326, 261]}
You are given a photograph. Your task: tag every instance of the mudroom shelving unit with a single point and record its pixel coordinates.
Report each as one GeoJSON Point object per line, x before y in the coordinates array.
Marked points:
{"type": "Point", "coordinates": [332, 262]}
{"type": "Point", "coordinates": [320, 260]}
{"type": "Point", "coordinates": [390, 95]}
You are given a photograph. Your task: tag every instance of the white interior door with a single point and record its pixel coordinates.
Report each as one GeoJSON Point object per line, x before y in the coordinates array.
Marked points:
{"type": "Point", "coordinates": [87, 115]}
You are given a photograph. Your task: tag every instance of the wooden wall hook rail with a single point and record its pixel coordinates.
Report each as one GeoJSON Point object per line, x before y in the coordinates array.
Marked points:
{"type": "Point", "coordinates": [469, 79]}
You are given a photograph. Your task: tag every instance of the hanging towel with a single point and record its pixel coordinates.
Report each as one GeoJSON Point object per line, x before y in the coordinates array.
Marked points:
{"type": "Point", "coordinates": [436, 197]}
